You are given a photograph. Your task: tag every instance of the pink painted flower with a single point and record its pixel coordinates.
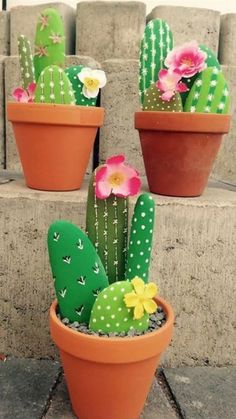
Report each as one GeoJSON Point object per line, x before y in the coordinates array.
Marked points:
{"type": "Point", "coordinates": [24, 95]}
{"type": "Point", "coordinates": [116, 178]}
{"type": "Point", "coordinates": [169, 83]}
{"type": "Point", "coordinates": [188, 58]}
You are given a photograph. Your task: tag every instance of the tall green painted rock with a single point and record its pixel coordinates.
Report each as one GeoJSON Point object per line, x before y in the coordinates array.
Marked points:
{"type": "Point", "coordinates": [72, 74]}
{"type": "Point", "coordinates": [141, 236]}
{"type": "Point", "coordinates": [156, 43]}
{"type": "Point", "coordinates": [209, 93]}
{"type": "Point", "coordinates": [110, 314]}
{"type": "Point", "coordinates": [154, 102]}
{"type": "Point", "coordinates": [49, 41]}
{"type": "Point", "coordinates": [26, 61]}
{"type": "Point", "coordinates": [53, 86]}
{"type": "Point", "coordinates": [107, 228]}
{"type": "Point", "coordinates": [77, 271]}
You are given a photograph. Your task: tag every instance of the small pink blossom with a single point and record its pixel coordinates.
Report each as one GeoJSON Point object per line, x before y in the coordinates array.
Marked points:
{"type": "Point", "coordinates": [24, 95]}
{"type": "Point", "coordinates": [188, 58]}
{"type": "Point", "coordinates": [117, 178]}
{"type": "Point", "coordinates": [169, 83]}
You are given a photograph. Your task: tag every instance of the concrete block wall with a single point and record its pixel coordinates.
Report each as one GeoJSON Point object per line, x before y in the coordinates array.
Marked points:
{"type": "Point", "coordinates": [109, 30]}
{"type": "Point", "coordinates": [118, 134]}
{"type": "Point", "coordinates": [4, 33]}
{"type": "Point", "coordinates": [2, 113]}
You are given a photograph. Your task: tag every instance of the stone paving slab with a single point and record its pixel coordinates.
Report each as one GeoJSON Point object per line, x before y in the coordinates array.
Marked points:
{"type": "Point", "coordinates": [156, 407]}
{"type": "Point", "coordinates": [25, 387]}
{"type": "Point", "coordinates": [204, 392]}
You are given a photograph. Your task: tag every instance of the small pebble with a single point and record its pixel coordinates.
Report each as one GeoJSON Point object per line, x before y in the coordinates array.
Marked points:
{"type": "Point", "coordinates": [157, 320]}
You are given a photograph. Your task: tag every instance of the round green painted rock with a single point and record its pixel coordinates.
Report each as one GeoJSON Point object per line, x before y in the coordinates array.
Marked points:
{"type": "Point", "coordinates": [110, 314]}
{"type": "Point", "coordinates": [72, 74]}
{"type": "Point", "coordinates": [154, 102]}
{"type": "Point", "coordinates": [209, 93]}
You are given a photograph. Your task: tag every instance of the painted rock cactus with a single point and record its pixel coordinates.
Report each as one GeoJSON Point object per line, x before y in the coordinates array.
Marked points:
{"type": "Point", "coordinates": [156, 43]}
{"type": "Point", "coordinates": [49, 41]}
{"type": "Point", "coordinates": [26, 61]}
{"type": "Point", "coordinates": [72, 74]}
{"type": "Point", "coordinates": [107, 213]}
{"type": "Point", "coordinates": [77, 271]}
{"type": "Point", "coordinates": [107, 228]}
{"type": "Point", "coordinates": [154, 102]}
{"type": "Point", "coordinates": [141, 235]}
{"type": "Point", "coordinates": [53, 86]}
{"type": "Point", "coordinates": [209, 93]}
{"type": "Point", "coordinates": [211, 61]}
{"type": "Point", "coordinates": [123, 306]}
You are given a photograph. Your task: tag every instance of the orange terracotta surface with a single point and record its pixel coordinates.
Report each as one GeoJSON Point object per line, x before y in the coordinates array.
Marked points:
{"type": "Point", "coordinates": [109, 377]}
{"type": "Point", "coordinates": [54, 142]}
{"type": "Point", "coordinates": [179, 149]}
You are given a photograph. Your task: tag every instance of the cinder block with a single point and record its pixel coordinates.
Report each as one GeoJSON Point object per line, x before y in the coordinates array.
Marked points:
{"type": "Point", "coordinates": [227, 42]}
{"type": "Point", "coordinates": [193, 263]}
{"type": "Point", "coordinates": [225, 165]}
{"type": "Point", "coordinates": [107, 30]}
{"type": "Point", "coordinates": [4, 33]}
{"type": "Point", "coordinates": [2, 111]}
{"type": "Point", "coordinates": [24, 18]}
{"type": "Point", "coordinates": [26, 285]}
{"type": "Point", "coordinates": [12, 80]}
{"type": "Point", "coordinates": [120, 99]}
{"type": "Point", "coordinates": [189, 23]}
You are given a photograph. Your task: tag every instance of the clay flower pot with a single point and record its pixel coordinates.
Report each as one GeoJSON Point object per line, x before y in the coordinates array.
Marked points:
{"type": "Point", "coordinates": [54, 142]}
{"type": "Point", "coordinates": [179, 149]}
{"type": "Point", "coordinates": [109, 377]}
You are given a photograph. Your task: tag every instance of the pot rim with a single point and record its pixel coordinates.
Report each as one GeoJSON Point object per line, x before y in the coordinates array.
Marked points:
{"type": "Point", "coordinates": [182, 122]}
{"type": "Point", "coordinates": [55, 114]}
{"type": "Point", "coordinates": [112, 350]}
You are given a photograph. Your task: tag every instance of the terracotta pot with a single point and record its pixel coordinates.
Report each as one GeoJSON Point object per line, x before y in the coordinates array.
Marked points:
{"type": "Point", "coordinates": [54, 142]}
{"type": "Point", "coordinates": [179, 149]}
{"type": "Point", "coordinates": [109, 377]}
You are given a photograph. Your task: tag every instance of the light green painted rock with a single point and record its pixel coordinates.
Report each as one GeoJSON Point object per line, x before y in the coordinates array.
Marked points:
{"type": "Point", "coordinates": [110, 314]}
{"type": "Point", "coordinates": [49, 41]}
{"type": "Point", "coordinates": [209, 93]}
{"type": "Point", "coordinates": [53, 86]}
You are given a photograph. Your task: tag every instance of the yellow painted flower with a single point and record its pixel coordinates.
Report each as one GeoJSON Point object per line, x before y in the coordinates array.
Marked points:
{"type": "Point", "coordinates": [141, 299]}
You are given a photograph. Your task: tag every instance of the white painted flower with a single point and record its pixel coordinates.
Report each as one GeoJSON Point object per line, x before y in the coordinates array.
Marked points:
{"type": "Point", "coordinates": [92, 80]}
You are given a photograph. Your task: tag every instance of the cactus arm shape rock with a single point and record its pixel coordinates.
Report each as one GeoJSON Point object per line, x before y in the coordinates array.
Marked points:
{"type": "Point", "coordinates": [72, 74]}
{"type": "Point", "coordinates": [77, 271]}
{"type": "Point", "coordinates": [209, 93]}
{"type": "Point", "coordinates": [141, 236]}
{"type": "Point", "coordinates": [154, 102]}
{"type": "Point", "coordinates": [49, 41]}
{"type": "Point", "coordinates": [26, 61]}
{"type": "Point", "coordinates": [211, 61]}
{"type": "Point", "coordinates": [107, 228]}
{"type": "Point", "coordinates": [156, 43]}
{"type": "Point", "coordinates": [53, 86]}
{"type": "Point", "coordinates": [110, 314]}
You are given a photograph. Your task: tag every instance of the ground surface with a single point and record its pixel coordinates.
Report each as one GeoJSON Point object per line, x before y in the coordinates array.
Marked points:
{"type": "Point", "coordinates": [32, 389]}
